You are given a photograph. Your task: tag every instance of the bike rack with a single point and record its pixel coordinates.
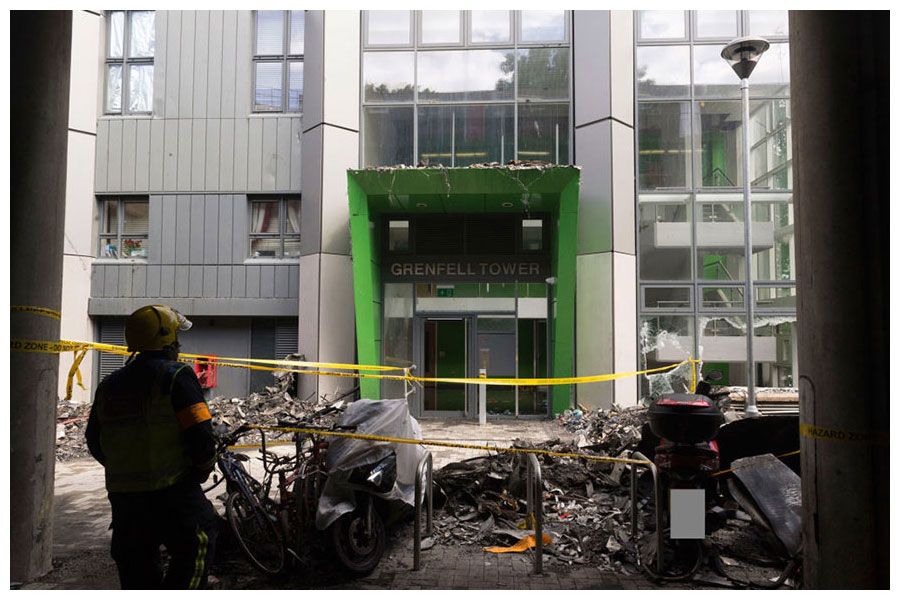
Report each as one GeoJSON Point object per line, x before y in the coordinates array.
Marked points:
{"type": "Point", "coordinates": [426, 465]}
{"type": "Point", "coordinates": [658, 496]}
{"type": "Point", "coordinates": [535, 495]}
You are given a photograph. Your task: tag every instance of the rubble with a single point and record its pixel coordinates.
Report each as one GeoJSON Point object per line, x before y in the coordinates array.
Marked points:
{"type": "Point", "coordinates": [609, 432]}
{"type": "Point", "coordinates": [71, 421]}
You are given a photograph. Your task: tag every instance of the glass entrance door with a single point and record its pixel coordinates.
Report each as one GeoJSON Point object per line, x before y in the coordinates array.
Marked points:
{"type": "Point", "coordinates": [445, 354]}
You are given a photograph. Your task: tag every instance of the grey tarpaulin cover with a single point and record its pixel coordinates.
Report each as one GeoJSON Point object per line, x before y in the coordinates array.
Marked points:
{"type": "Point", "coordinates": [388, 418]}
{"type": "Point", "coordinates": [770, 492]}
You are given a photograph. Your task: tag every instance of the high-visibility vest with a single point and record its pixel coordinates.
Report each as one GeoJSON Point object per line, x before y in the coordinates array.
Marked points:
{"type": "Point", "coordinates": [140, 436]}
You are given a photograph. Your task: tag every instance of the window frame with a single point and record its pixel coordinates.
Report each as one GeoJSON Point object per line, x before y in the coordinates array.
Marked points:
{"type": "Point", "coordinates": [285, 59]}
{"type": "Point", "coordinates": [124, 63]}
{"type": "Point", "coordinates": [121, 201]}
{"type": "Point", "coordinates": [282, 200]}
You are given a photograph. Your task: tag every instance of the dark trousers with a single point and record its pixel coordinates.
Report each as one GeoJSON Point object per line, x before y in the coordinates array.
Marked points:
{"type": "Point", "coordinates": [178, 517]}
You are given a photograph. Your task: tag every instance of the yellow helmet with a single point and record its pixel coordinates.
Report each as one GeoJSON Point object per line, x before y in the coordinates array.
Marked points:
{"type": "Point", "coordinates": [154, 327]}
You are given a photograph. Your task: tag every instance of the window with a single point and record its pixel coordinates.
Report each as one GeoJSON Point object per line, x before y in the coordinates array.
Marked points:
{"type": "Point", "coordinates": [278, 61]}
{"type": "Point", "coordinates": [130, 46]}
{"type": "Point", "coordinates": [124, 227]}
{"type": "Point", "coordinates": [466, 87]}
{"type": "Point", "coordinates": [275, 227]}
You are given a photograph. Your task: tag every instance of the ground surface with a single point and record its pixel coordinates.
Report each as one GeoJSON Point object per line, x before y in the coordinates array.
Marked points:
{"type": "Point", "coordinates": [81, 537]}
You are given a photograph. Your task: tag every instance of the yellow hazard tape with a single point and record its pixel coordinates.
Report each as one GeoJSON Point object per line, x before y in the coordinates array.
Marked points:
{"type": "Point", "coordinates": [816, 432]}
{"type": "Point", "coordinates": [75, 371]}
{"type": "Point", "coordinates": [38, 310]}
{"type": "Point", "coordinates": [443, 444]}
{"type": "Point", "coordinates": [298, 366]}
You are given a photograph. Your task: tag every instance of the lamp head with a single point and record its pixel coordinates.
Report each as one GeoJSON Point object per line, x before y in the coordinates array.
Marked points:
{"type": "Point", "coordinates": [743, 54]}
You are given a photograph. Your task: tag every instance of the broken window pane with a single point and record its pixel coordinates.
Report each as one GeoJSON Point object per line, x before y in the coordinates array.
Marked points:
{"type": "Point", "coordinates": [723, 346]}
{"type": "Point", "coordinates": [775, 351]}
{"type": "Point", "coordinates": [116, 34]}
{"type": "Point", "coordinates": [140, 88]}
{"type": "Point", "coordinates": [665, 340]}
{"type": "Point", "coordinates": [143, 34]}
{"type": "Point", "coordinates": [114, 88]}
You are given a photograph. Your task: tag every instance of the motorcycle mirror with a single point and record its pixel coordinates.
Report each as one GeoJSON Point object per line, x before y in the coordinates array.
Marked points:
{"type": "Point", "coordinates": [713, 376]}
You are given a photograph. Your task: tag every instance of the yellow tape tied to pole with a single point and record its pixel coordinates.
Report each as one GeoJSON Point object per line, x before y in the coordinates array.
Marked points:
{"type": "Point", "coordinates": [38, 310]}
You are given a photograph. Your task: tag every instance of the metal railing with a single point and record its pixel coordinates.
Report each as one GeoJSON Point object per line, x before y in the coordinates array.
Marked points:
{"type": "Point", "coordinates": [535, 495]}
{"type": "Point", "coordinates": [658, 493]}
{"type": "Point", "coordinates": [425, 466]}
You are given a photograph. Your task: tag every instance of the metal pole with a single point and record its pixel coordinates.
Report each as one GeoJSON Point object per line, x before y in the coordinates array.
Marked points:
{"type": "Point", "coordinates": [750, 409]}
{"type": "Point", "coordinates": [482, 398]}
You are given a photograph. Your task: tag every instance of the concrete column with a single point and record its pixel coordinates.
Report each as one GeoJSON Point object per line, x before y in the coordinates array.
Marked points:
{"type": "Point", "coordinates": [330, 146]}
{"type": "Point", "coordinates": [80, 233]}
{"type": "Point", "coordinates": [606, 309]}
{"type": "Point", "coordinates": [840, 110]}
{"type": "Point", "coordinates": [39, 117]}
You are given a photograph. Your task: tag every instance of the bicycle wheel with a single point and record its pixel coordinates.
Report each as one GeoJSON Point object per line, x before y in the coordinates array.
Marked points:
{"type": "Point", "coordinates": [256, 533]}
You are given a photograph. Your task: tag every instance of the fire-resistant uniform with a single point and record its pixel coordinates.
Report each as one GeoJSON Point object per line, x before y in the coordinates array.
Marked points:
{"type": "Point", "coordinates": [150, 428]}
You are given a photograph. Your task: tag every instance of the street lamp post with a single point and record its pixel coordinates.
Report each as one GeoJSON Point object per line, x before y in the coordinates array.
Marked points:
{"type": "Point", "coordinates": [743, 54]}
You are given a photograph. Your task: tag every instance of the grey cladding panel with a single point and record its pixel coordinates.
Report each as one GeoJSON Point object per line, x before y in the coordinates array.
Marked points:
{"type": "Point", "coordinates": [168, 230]}
{"type": "Point", "coordinates": [212, 155]}
{"type": "Point", "coordinates": [214, 81]}
{"type": "Point", "coordinates": [223, 282]}
{"type": "Point", "coordinates": [198, 154]}
{"type": "Point", "coordinates": [226, 225]}
{"type": "Point", "coordinates": [238, 281]}
{"type": "Point", "coordinates": [282, 281]}
{"type": "Point", "coordinates": [295, 167]}
{"type": "Point", "coordinates": [242, 63]}
{"type": "Point", "coordinates": [167, 281]}
{"type": "Point", "coordinates": [240, 231]}
{"type": "Point", "coordinates": [157, 153]}
{"type": "Point", "coordinates": [229, 62]}
{"type": "Point", "coordinates": [153, 281]}
{"type": "Point", "coordinates": [209, 281]}
{"type": "Point", "coordinates": [283, 156]}
{"type": "Point", "coordinates": [294, 281]}
{"type": "Point", "coordinates": [211, 231]}
{"type": "Point", "coordinates": [201, 64]}
{"type": "Point", "coordinates": [240, 153]}
{"type": "Point", "coordinates": [267, 281]}
{"type": "Point", "coordinates": [226, 154]}
{"type": "Point", "coordinates": [186, 80]}
{"type": "Point", "coordinates": [139, 281]}
{"type": "Point", "coordinates": [129, 139]}
{"type": "Point", "coordinates": [269, 153]}
{"type": "Point", "coordinates": [253, 281]}
{"type": "Point", "coordinates": [125, 274]}
{"type": "Point", "coordinates": [254, 154]}
{"type": "Point", "coordinates": [170, 160]}
{"type": "Point", "coordinates": [197, 229]}
{"type": "Point", "coordinates": [182, 229]}
{"type": "Point", "coordinates": [110, 281]}
{"type": "Point", "coordinates": [182, 281]}
{"type": "Point", "coordinates": [173, 63]}
{"type": "Point", "coordinates": [156, 227]}
{"type": "Point", "coordinates": [196, 286]}
{"type": "Point", "coordinates": [97, 272]}
{"type": "Point", "coordinates": [114, 166]}
{"type": "Point", "coordinates": [184, 154]}
{"type": "Point", "coordinates": [591, 66]}
{"type": "Point", "coordinates": [102, 155]}
{"type": "Point", "coordinates": [142, 156]}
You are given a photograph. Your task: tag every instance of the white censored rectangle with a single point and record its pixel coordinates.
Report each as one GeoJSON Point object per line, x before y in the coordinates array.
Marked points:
{"type": "Point", "coordinates": [687, 514]}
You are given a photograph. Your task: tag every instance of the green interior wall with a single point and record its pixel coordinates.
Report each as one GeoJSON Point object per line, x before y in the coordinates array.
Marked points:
{"type": "Point", "coordinates": [376, 192]}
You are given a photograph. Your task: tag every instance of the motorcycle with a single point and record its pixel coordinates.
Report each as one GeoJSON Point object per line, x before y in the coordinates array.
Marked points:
{"type": "Point", "coordinates": [685, 458]}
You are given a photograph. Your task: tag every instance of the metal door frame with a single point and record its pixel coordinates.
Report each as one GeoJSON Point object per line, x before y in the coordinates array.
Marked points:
{"type": "Point", "coordinates": [471, 399]}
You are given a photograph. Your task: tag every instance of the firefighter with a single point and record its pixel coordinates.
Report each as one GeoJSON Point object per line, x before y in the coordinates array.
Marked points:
{"type": "Point", "coordinates": [151, 430]}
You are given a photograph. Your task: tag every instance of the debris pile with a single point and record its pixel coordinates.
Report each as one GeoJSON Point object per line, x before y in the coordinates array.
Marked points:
{"type": "Point", "coordinates": [71, 421]}
{"type": "Point", "coordinates": [586, 510]}
{"type": "Point", "coordinates": [609, 432]}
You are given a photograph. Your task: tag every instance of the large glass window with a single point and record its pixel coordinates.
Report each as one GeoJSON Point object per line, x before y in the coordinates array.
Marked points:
{"type": "Point", "coordinates": [275, 227]}
{"type": "Point", "coordinates": [388, 27]}
{"type": "Point", "coordinates": [691, 247]}
{"type": "Point", "coordinates": [124, 227]}
{"type": "Point", "coordinates": [130, 48]}
{"type": "Point", "coordinates": [499, 92]}
{"type": "Point", "coordinates": [278, 61]}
